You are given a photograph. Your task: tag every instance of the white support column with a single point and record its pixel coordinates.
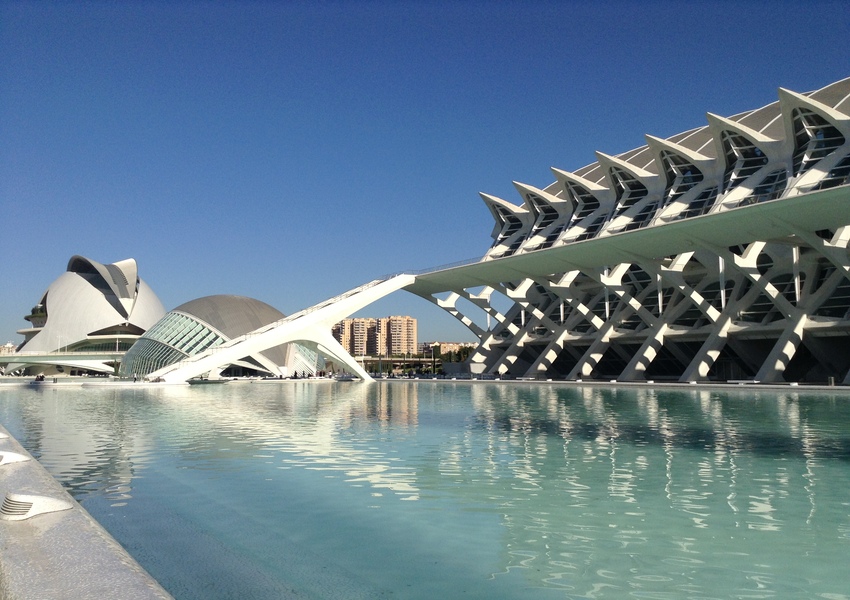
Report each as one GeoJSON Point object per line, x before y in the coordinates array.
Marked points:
{"type": "Point", "coordinates": [835, 251]}
{"type": "Point", "coordinates": [550, 353]}
{"type": "Point", "coordinates": [450, 306]}
{"type": "Point", "coordinates": [645, 355]}
{"type": "Point", "coordinates": [704, 359]}
{"type": "Point", "coordinates": [559, 330]}
{"type": "Point", "coordinates": [594, 353]}
{"type": "Point", "coordinates": [328, 345]}
{"type": "Point", "coordinates": [509, 356]}
{"type": "Point", "coordinates": [783, 351]}
{"type": "Point", "coordinates": [795, 259]}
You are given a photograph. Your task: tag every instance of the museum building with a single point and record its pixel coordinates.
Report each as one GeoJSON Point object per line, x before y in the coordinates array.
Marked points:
{"type": "Point", "coordinates": [717, 254]}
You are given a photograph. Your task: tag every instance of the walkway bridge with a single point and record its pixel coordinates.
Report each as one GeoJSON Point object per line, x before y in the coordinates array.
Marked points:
{"type": "Point", "coordinates": [103, 362]}
{"type": "Point", "coordinates": [796, 224]}
{"type": "Point", "coordinates": [311, 326]}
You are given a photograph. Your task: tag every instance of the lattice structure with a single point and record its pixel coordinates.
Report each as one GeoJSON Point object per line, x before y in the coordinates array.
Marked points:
{"type": "Point", "coordinates": [771, 308]}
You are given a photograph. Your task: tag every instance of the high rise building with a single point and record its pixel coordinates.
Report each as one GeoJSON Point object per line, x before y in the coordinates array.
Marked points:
{"type": "Point", "coordinates": [370, 336]}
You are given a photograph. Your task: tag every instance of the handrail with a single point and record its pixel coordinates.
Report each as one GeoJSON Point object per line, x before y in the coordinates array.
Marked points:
{"type": "Point", "coordinates": [459, 263]}
{"type": "Point", "coordinates": [61, 353]}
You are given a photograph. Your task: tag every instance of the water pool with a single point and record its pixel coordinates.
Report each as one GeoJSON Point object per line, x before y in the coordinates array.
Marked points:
{"type": "Point", "coordinates": [456, 490]}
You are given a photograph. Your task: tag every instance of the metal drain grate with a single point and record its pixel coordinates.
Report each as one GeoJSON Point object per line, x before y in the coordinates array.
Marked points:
{"type": "Point", "coordinates": [14, 508]}
{"type": "Point", "coordinates": [17, 507]}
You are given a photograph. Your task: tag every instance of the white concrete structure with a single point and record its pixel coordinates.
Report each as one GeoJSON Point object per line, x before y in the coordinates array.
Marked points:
{"type": "Point", "coordinates": [310, 328]}
{"type": "Point", "coordinates": [52, 548]}
{"type": "Point", "coordinates": [719, 253]}
{"type": "Point", "coordinates": [211, 321]}
{"type": "Point", "coordinates": [87, 318]}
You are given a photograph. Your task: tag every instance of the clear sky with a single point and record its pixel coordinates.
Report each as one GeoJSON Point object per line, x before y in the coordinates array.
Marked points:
{"type": "Point", "coordinates": [290, 151]}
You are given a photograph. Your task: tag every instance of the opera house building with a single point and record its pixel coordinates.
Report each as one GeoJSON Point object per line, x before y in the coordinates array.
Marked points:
{"type": "Point", "coordinates": [87, 319]}
{"type": "Point", "coordinates": [104, 319]}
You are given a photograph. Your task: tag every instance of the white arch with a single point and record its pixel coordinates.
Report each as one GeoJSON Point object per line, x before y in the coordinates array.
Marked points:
{"type": "Point", "coordinates": [311, 325]}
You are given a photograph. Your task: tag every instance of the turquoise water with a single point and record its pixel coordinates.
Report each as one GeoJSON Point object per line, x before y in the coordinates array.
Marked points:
{"type": "Point", "coordinates": [452, 490]}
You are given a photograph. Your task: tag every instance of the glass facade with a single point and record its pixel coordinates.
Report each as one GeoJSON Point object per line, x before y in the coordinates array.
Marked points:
{"type": "Point", "coordinates": [175, 337]}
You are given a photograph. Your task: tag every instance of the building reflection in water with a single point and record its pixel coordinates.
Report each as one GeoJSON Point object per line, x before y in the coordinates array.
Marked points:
{"type": "Point", "coordinates": [98, 440]}
{"type": "Point", "coordinates": [589, 484]}
{"type": "Point", "coordinates": [578, 466]}
{"type": "Point", "coordinates": [91, 447]}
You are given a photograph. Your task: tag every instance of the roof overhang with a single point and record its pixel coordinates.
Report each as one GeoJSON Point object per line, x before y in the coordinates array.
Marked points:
{"type": "Point", "coordinates": [769, 221]}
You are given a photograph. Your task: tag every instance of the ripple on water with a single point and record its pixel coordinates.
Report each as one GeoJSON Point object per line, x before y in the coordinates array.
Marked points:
{"type": "Point", "coordinates": [421, 491]}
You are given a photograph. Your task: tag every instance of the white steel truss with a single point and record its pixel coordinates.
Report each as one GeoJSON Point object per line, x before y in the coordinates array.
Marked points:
{"type": "Point", "coordinates": [720, 253]}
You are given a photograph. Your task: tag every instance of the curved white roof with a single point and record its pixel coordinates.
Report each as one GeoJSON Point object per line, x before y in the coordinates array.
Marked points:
{"type": "Point", "coordinates": [199, 324]}
{"type": "Point", "coordinates": [790, 147]}
{"type": "Point", "coordinates": [90, 298]}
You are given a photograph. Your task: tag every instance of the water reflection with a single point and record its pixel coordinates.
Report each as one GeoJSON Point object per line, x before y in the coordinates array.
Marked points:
{"type": "Point", "coordinates": [592, 492]}
{"type": "Point", "coordinates": [734, 467]}
{"type": "Point", "coordinates": [311, 431]}
{"type": "Point", "coordinates": [92, 447]}
{"type": "Point", "coordinates": [699, 420]}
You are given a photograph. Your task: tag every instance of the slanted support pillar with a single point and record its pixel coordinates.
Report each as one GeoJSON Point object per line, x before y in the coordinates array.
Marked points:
{"type": "Point", "coordinates": [783, 351]}
{"type": "Point", "coordinates": [329, 346]}
{"type": "Point", "coordinates": [708, 352]}
{"type": "Point", "coordinates": [636, 368]}
{"type": "Point", "coordinates": [594, 353]}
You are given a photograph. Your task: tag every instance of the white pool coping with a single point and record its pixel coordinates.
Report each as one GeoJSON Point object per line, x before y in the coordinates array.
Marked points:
{"type": "Point", "coordinates": [62, 554]}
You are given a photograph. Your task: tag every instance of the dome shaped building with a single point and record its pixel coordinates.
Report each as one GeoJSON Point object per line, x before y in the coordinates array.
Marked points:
{"type": "Point", "coordinates": [204, 323]}
{"type": "Point", "coordinates": [87, 318]}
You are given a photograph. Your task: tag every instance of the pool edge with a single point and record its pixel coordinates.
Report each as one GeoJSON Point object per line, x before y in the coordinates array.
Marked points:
{"type": "Point", "coordinates": [65, 553]}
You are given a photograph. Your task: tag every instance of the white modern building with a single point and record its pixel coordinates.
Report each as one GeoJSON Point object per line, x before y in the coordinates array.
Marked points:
{"type": "Point", "coordinates": [719, 253]}
{"type": "Point", "coordinates": [309, 329]}
{"type": "Point", "coordinates": [206, 323]}
{"type": "Point", "coordinates": [86, 319]}
{"type": "Point", "coordinates": [104, 319]}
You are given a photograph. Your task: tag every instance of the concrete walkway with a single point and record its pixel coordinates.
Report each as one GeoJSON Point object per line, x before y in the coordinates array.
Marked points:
{"type": "Point", "coordinates": [59, 554]}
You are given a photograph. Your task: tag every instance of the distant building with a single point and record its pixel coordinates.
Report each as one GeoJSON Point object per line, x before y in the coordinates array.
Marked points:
{"type": "Point", "coordinates": [400, 334]}
{"type": "Point", "coordinates": [370, 336]}
{"type": "Point", "coordinates": [446, 347]}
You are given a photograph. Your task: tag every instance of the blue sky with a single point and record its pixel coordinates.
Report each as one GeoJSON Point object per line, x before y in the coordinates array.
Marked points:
{"type": "Point", "coordinates": [290, 151]}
